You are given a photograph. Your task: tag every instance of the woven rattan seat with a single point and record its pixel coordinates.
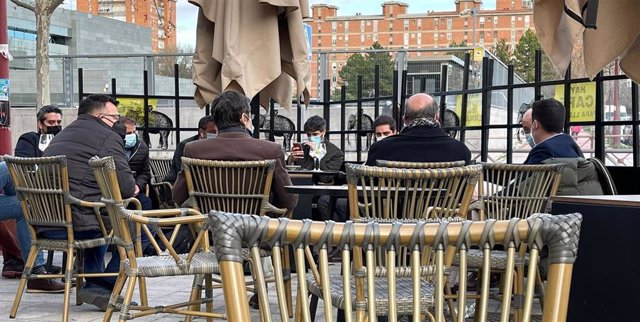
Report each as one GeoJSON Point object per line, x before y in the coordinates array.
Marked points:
{"type": "Point", "coordinates": [498, 260]}
{"type": "Point", "coordinates": [353, 290]}
{"type": "Point", "coordinates": [155, 266]}
{"type": "Point", "coordinates": [404, 295]}
{"type": "Point", "coordinates": [419, 165]}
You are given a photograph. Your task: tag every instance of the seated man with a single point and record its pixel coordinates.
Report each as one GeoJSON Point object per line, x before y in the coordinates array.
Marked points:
{"type": "Point", "coordinates": [137, 153]}
{"type": "Point", "coordinates": [316, 129]}
{"type": "Point", "coordinates": [545, 125]}
{"type": "Point", "coordinates": [206, 130]}
{"type": "Point", "coordinates": [230, 113]}
{"type": "Point", "coordinates": [96, 132]}
{"type": "Point", "coordinates": [11, 209]}
{"type": "Point", "coordinates": [384, 126]}
{"type": "Point", "coordinates": [422, 139]}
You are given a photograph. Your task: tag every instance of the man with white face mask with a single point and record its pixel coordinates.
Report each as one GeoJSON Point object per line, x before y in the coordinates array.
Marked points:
{"type": "Point", "coordinates": [137, 153]}
{"type": "Point", "coordinates": [384, 126]}
{"type": "Point", "coordinates": [315, 128]}
{"type": "Point", "coordinates": [526, 127]}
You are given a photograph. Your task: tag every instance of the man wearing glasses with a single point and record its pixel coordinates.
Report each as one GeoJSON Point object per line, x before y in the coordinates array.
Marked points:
{"type": "Point", "coordinates": [96, 132]}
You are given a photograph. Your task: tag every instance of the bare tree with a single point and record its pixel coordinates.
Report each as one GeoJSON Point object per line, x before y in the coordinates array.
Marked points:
{"type": "Point", "coordinates": [43, 10]}
{"type": "Point", "coordinates": [183, 56]}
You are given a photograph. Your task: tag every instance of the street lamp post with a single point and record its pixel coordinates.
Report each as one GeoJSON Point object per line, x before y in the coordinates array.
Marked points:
{"type": "Point", "coordinates": [473, 12]}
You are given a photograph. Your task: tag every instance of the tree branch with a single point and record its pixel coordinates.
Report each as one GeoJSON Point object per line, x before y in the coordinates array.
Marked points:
{"type": "Point", "coordinates": [53, 5]}
{"type": "Point", "coordinates": [24, 5]}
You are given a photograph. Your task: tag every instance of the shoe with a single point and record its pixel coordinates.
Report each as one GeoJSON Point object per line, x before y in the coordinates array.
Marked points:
{"type": "Point", "coordinates": [335, 255]}
{"type": "Point", "coordinates": [12, 268]}
{"type": "Point", "coordinates": [254, 303]}
{"type": "Point", "coordinates": [44, 285]}
{"type": "Point", "coordinates": [99, 298]}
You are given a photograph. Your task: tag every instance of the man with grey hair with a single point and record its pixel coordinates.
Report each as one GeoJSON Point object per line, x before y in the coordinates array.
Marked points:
{"type": "Point", "coordinates": [422, 139]}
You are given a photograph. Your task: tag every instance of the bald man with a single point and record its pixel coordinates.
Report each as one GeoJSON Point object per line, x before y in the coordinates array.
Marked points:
{"type": "Point", "coordinates": [422, 139]}
{"type": "Point", "coordinates": [526, 127]}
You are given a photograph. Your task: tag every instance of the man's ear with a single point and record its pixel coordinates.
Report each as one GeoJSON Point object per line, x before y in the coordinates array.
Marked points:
{"type": "Point", "coordinates": [437, 117]}
{"type": "Point", "coordinates": [40, 126]}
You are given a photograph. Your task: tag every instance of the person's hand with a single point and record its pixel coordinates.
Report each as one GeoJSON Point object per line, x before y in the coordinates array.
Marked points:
{"type": "Point", "coordinates": [297, 152]}
{"type": "Point", "coordinates": [136, 191]}
{"type": "Point", "coordinates": [312, 145]}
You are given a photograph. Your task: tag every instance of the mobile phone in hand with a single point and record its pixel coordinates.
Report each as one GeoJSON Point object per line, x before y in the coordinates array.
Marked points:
{"type": "Point", "coordinates": [297, 146]}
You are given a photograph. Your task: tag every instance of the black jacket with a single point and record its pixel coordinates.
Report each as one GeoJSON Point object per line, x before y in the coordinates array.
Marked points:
{"type": "Point", "coordinates": [27, 146]}
{"type": "Point", "coordinates": [330, 162]}
{"type": "Point", "coordinates": [138, 157]}
{"type": "Point", "coordinates": [83, 139]}
{"type": "Point", "coordinates": [419, 144]}
{"type": "Point", "coordinates": [176, 166]}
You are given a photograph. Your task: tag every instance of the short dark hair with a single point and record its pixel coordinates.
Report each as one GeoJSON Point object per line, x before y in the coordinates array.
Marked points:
{"type": "Point", "coordinates": [315, 123]}
{"type": "Point", "coordinates": [93, 103]}
{"type": "Point", "coordinates": [550, 113]}
{"type": "Point", "coordinates": [227, 109]}
{"type": "Point", "coordinates": [127, 121]}
{"type": "Point", "coordinates": [385, 120]}
{"type": "Point", "coordinates": [202, 124]}
{"type": "Point", "coordinates": [42, 113]}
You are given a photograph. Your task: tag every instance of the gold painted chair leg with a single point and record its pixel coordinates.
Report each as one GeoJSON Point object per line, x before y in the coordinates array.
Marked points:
{"type": "Point", "coordinates": [209, 295]}
{"type": "Point", "coordinates": [287, 283]}
{"type": "Point", "coordinates": [23, 281]}
{"type": "Point", "coordinates": [196, 295]}
{"type": "Point", "coordinates": [144, 300]}
{"type": "Point", "coordinates": [67, 284]}
{"type": "Point", "coordinates": [131, 286]}
{"type": "Point", "coordinates": [298, 317]}
{"type": "Point", "coordinates": [117, 290]}
{"type": "Point", "coordinates": [541, 291]}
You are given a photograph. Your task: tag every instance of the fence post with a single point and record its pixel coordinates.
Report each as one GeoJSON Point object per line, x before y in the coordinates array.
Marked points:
{"type": "Point", "coordinates": [67, 81]}
{"type": "Point", "coordinates": [150, 67]}
{"type": "Point", "coordinates": [322, 74]}
{"type": "Point", "coordinates": [401, 66]}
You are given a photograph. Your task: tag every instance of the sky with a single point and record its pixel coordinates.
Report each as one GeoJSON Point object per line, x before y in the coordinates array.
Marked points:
{"type": "Point", "coordinates": [187, 14]}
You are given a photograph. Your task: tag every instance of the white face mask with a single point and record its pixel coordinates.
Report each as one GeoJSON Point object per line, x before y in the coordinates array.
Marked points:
{"type": "Point", "coordinates": [211, 136]}
{"type": "Point", "coordinates": [250, 126]}
{"type": "Point", "coordinates": [530, 140]}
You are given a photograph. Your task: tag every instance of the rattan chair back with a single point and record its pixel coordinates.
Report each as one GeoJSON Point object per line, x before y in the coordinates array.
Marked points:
{"type": "Point", "coordinates": [198, 262]}
{"type": "Point", "coordinates": [386, 193]}
{"type": "Point", "coordinates": [232, 231]}
{"type": "Point", "coordinates": [419, 165]}
{"type": "Point", "coordinates": [517, 190]}
{"type": "Point", "coordinates": [233, 186]}
{"type": "Point", "coordinates": [160, 168]}
{"type": "Point", "coordinates": [42, 186]}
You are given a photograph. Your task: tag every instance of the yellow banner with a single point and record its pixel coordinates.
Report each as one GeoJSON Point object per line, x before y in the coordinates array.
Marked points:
{"type": "Point", "coordinates": [474, 109]}
{"type": "Point", "coordinates": [478, 53]}
{"type": "Point", "coordinates": [132, 107]}
{"type": "Point", "coordinates": [583, 101]}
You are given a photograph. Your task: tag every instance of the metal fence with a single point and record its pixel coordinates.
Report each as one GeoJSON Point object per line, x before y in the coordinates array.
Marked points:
{"type": "Point", "coordinates": [350, 91]}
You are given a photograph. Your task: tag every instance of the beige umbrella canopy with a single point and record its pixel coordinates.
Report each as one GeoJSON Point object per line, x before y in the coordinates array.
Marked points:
{"type": "Point", "coordinates": [251, 46]}
{"type": "Point", "coordinates": [617, 34]}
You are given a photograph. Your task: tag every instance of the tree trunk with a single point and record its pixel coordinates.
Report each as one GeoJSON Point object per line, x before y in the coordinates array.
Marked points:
{"type": "Point", "coordinates": [43, 21]}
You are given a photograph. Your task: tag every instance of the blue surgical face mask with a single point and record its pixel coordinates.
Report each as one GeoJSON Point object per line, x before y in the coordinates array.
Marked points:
{"type": "Point", "coordinates": [315, 139]}
{"type": "Point", "coordinates": [130, 140]}
{"type": "Point", "coordinates": [530, 140]}
{"type": "Point", "coordinates": [211, 136]}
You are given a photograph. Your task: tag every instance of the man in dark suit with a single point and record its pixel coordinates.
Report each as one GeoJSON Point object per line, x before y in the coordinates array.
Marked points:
{"type": "Point", "coordinates": [206, 130]}
{"type": "Point", "coordinates": [231, 113]}
{"type": "Point", "coordinates": [422, 139]}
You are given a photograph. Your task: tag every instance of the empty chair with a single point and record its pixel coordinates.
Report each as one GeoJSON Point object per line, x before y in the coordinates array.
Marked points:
{"type": "Point", "coordinates": [232, 231]}
{"type": "Point", "coordinates": [160, 168]}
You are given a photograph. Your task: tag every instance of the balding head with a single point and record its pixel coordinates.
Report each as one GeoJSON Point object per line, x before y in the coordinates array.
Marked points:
{"type": "Point", "coordinates": [526, 121]}
{"type": "Point", "coordinates": [420, 105]}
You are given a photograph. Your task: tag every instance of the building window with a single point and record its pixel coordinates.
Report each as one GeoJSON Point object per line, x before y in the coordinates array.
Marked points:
{"type": "Point", "coordinates": [375, 37]}
{"type": "Point", "coordinates": [527, 22]}
{"type": "Point", "coordinates": [406, 24]}
{"type": "Point", "coordinates": [495, 35]}
{"type": "Point", "coordinates": [481, 22]}
{"type": "Point", "coordinates": [448, 36]}
{"type": "Point", "coordinates": [495, 20]}
{"type": "Point", "coordinates": [419, 24]}
{"type": "Point", "coordinates": [419, 39]}
{"type": "Point", "coordinates": [449, 23]}
{"type": "Point", "coordinates": [346, 26]}
{"type": "Point", "coordinates": [375, 26]}
{"type": "Point", "coordinates": [362, 26]}
{"type": "Point", "coordinates": [346, 39]}
{"type": "Point", "coordinates": [481, 37]}
{"type": "Point", "coordinates": [361, 37]}
{"type": "Point", "coordinates": [527, 4]}
{"type": "Point", "coordinates": [435, 22]}
{"type": "Point", "coordinates": [406, 39]}
{"type": "Point", "coordinates": [319, 27]}
{"type": "Point", "coordinates": [334, 26]}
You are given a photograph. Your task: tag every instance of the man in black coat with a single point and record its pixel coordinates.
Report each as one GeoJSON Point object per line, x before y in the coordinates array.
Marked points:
{"type": "Point", "coordinates": [96, 132]}
{"type": "Point", "coordinates": [137, 153]}
{"type": "Point", "coordinates": [206, 130]}
{"type": "Point", "coordinates": [49, 121]}
{"type": "Point", "coordinates": [422, 139]}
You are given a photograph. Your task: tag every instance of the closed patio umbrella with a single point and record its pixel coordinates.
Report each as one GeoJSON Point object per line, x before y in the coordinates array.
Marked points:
{"type": "Point", "coordinates": [251, 46]}
{"type": "Point", "coordinates": [617, 34]}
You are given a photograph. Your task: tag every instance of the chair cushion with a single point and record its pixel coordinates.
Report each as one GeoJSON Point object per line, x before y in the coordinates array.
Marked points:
{"type": "Point", "coordinates": [153, 266]}
{"type": "Point", "coordinates": [404, 294]}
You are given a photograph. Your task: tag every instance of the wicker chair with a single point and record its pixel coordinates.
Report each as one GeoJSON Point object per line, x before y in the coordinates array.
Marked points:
{"type": "Point", "coordinates": [199, 262]}
{"type": "Point", "coordinates": [384, 194]}
{"type": "Point", "coordinates": [233, 186]}
{"type": "Point", "coordinates": [160, 168]}
{"type": "Point", "coordinates": [42, 186]}
{"type": "Point", "coordinates": [419, 165]}
{"type": "Point", "coordinates": [231, 231]}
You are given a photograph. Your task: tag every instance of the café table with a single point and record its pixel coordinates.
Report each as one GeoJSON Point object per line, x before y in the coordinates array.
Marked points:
{"type": "Point", "coordinates": [605, 281]}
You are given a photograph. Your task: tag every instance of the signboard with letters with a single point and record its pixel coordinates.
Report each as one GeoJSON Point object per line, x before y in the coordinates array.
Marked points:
{"type": "Point", "coordinates": [474, 109]}
{"type": "Point", "coordinates": [583, 101]}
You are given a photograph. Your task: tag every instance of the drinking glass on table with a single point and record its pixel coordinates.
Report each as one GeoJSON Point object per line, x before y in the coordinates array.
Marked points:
{"type": "Point", "coordinates": [318, 152]}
